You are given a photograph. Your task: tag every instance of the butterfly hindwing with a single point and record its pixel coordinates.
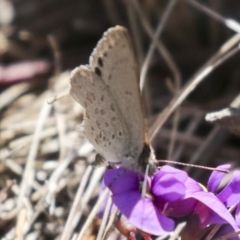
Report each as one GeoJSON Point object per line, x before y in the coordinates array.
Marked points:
{"type": "Point", "coordinates": [103, 125]}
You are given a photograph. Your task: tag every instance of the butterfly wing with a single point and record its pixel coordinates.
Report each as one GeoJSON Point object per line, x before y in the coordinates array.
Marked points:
{"type": "Point", "coordinates": [103, 125]}
{"type": "Point", "coordinates": [114, 61]}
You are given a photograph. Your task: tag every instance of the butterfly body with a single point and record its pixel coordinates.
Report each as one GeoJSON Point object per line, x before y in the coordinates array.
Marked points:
{"type": "Point", "coordinates": [108, 90]}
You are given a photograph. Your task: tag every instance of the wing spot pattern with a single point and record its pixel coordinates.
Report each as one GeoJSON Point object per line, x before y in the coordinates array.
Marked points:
{"type": "Point", "coordinates": [96, 111]}
{"type": "Point", "coordinates": [98, 71]}
{"type": "Point", "coordinates": [113, 119]}
{"type": "Point", "coordinates": [100, 62]}
{"type": "Point", "coordinates": [112, 108]}
{"type": "Point", "coordinates": [102, 112]}
{"type": "Point", "coordinates": [106, 124]}
{"type": "Point", "coordinates": [97, 123]}
{"type": "Point", "coordinates": [102, 98]}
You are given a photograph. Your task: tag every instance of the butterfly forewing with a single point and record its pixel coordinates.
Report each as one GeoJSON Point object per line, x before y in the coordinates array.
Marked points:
{"type": "Point", "coordinates": [114, 61]}
{"type": "Point", "coordinates": [103, 125]}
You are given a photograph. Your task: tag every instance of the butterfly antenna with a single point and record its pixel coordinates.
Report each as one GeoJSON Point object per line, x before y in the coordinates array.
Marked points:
{"type": "Point", "coordinates": [192, 165]}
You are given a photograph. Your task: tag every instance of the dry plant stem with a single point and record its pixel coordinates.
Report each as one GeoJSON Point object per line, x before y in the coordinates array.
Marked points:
{"type": "Point", "coordinates": [213, 232]}
{"type": "Point", "coordinates": [232, 24]}
{"type": "Point", "coordinates": [23, 141]}
{"type": "Point", "coordinates": [177, 231]}
{"type": "Point", "coordinates": [27, 112]}
{"type": "Point", "coordinates": [28, 176]}
{"type": "Point", "coordinates": [176, 118]}
{"type": "Point", "coordinates": [9, 95]}
{"type": "Point", "coordinates": [159, 45]}
{"type": "Point", "coordinates": [40, 207]}
{"type": "Point", "coordinates": [213, 63]}
{"type": "Point", "coordinates": [13, 166]}
{"type": "Point", "coordinates": [53, 182]}
{"type": "Point", "coordinates": [236, 102]}
{"type": "Point", "coordinates": [203, 147]}
{"type": "Point", "coordinates": [155, 36]}
{"type": "Point", "coordinates": [61, 129]}
{"type": "Point", "coordinates": [105, 217]}
{"type": "Point", "coordinates": [95, 178]}
{"type": "Point", "coordinates": [190, 129]}
{"type": "Point", "coordinates": [109, 227]}
{"type": "Point", "coordinates": [93, 213]}
{"type": "Point", "coordinates": [56, 54]}
{"type": "Point", "coordinates": [76, 208]}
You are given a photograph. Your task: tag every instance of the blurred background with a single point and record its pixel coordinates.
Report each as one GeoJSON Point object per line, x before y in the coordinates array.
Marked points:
{"type": "Point", "coordinates": [44, 158]}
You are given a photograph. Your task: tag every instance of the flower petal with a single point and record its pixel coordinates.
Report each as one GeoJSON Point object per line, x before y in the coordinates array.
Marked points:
{"type": "Point", "coordinates": [230, 195]}
{"type": "Point", "coordinates": [122, 180]}
{"type": "Point", "coordinates": [143, 214]}
{"type": "Point", "coordinates": [237, 215]}
{"type": "Point", "coordinates": [216, 177]}
{"type": "Point", "coordinates": [168, 184]}
{"type": "Point", "coordinates": [211, 210]}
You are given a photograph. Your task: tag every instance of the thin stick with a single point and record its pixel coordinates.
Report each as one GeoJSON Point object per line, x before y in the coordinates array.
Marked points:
{"type": "Point", "coordinates": [9, 95]}
{"type": "Point", "coordinates": [105, 217]}
{"type": "Point", "coordinates": [110, 223]}
{"type": "Point", "coordinates": [93, 213]}
{"type": "Point", "coordinates": [191, 85]}
{"type": "Point", "coordinates": [230, 23]}
{"type": "Point", "coordinates": [75, 211]}
{"type": "Point", "coordinates": [28, 175]}
{"type": "Point", "coordinates": [160, 27]}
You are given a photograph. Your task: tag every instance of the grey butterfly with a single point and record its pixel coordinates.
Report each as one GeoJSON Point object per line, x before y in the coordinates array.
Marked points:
{"type": "Point", "coordinates": [109, 92]}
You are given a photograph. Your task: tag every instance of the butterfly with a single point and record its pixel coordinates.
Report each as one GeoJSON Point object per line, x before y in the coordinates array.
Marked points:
{"type": "Point", "coordinates": [108, 90]}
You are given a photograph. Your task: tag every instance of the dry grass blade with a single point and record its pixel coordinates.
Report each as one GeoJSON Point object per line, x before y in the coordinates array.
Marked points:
{"type": "Point", "coordinates": [28, 175]}
{"type": "Point", "coordinates": [193, 83]}
{"type": "Point", "coordinates": [93, 213]}
{"type": "Point", "coordinates": [76, 208]}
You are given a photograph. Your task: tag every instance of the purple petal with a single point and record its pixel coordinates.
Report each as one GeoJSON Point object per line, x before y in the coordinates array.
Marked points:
{"type": "Point", "coordinates": [230, 195]}
{"type": "Point", "coordinates": [211, 210]}
{"type": "Point", "coordinates": [237, 215]}
{"type": "Point", "coordinates": [168, 184]}
{"type": "Point", "coordinates": [192, 186]}
{"type": "Point", "coordinates": [216, 177]}
{"type": "Point", "coordinates": [181, 208]}
{"type": "Point", "coordinates": [121, 180]}
{"type": "Point", "coordinates": [143, 214]}
{"type": "Point", "coordinates": [225, 230]}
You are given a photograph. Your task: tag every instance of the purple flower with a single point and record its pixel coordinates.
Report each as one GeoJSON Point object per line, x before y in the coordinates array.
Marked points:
{"type": "Point", "coordinates": [142, 212]}
{"type": "Point", "coordinates": [230, 194]}
{"type": "Point", "coordinates": [149, 213]}
{"type": "Point", "coordinates": [170, 193]}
